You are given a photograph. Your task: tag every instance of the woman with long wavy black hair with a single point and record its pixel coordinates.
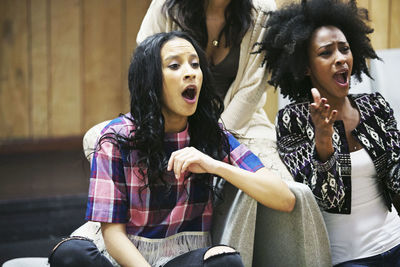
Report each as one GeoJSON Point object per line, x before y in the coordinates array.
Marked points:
{"type": "Point", "coordinates": [151, 184]}
{"type": "Point", "coordinates": [228, 30]}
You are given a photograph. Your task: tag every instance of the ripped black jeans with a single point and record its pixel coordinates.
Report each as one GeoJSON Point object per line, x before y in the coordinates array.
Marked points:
{"type": "Point", "coordinates": [78, 252]}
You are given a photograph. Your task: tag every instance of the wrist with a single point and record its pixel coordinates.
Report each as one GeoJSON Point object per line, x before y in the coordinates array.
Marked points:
{"type": "Point", "coordinates": [324, 147]}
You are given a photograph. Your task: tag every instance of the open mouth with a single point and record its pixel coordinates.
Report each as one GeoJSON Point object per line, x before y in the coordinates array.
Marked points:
{"type": "Point", "coordinates": [189, 93]}
{"type": "Point", "coordinates": [341, 77]}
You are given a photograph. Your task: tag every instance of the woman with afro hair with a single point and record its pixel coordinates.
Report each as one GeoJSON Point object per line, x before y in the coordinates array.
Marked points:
{"type": "Point", "coordinates": [345, 147]}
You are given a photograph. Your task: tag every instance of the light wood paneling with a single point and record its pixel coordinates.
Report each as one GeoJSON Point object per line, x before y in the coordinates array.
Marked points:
{"type": "Point", "coordinates": [379, 11]}
{"type": "Point", "coordinates": [39, 68]}
{"type": "Point", "coordinates": [63, 64]}
{"type": "Point", "coordinates": [280, 3]}
{"type": "Point", "coordinates": [394, 24]}
{"type": "Point", "coordinates": [14, 75]}
{"type": "Point", "coordinates": [133, 23]}
{"type": "Point", "coordinates": [102, 50]}
{"type": "Point", "coordinates": [65, 58]}
{"type": "Point", "coordinates": [363, 3]}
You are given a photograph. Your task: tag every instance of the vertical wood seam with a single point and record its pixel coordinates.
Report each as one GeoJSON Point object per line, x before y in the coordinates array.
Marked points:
{"type": "Point", "coordinates": [30, 68]}
{"type": "Point", "coordinates": [49, 69]}
{"type": "Point", "coordinates": [124, 45]}
{"type": "Point", "coordinates": [82, 63]}
{"type": "Point", "coordinates": [389, 29]}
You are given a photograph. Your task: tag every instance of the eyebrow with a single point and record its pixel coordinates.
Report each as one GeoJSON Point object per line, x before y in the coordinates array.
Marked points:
{"type": "Point", "coordinates": [172, 57]}
{"type": "Point", "coordinates": [331, 43]}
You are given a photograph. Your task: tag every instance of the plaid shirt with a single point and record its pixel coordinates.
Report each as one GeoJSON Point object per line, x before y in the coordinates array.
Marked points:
{"type": "Point", "coordinates": [115, 185]}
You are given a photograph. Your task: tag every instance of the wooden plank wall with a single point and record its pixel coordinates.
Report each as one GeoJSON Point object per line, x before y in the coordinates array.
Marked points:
{"type": "Point", "coordinates": [385, 19]}
{"type": "Point", "coordinates": [63, 63]}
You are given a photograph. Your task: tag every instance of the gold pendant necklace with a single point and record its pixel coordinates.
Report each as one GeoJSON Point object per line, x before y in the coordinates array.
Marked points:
{"type": "Point", "coordinates": [215, 43]}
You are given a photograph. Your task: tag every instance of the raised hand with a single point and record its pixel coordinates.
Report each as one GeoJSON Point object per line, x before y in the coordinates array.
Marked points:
{"type": "Point", "coordinates": [323, 118]}
{"type": "Point", "coordinates": [321, 114]}
{"type": "Point", "coordinates": [192, 160]}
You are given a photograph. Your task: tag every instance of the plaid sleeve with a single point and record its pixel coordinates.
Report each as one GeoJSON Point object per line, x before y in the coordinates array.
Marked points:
{"type": "Point", "coordinates": [107, 201]}
{"type": "Point", "coordinates": [241, 156]}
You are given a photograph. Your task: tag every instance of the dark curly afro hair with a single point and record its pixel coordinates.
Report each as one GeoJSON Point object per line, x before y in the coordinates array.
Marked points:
{"type": "Point", "coordinates": [289, 31]}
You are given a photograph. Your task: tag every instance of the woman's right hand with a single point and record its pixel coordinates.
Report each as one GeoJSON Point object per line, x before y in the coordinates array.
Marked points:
{"type": "Point", "coordinates": [120, 247]}
{"type": "Point", "coordinates": [323, 118]}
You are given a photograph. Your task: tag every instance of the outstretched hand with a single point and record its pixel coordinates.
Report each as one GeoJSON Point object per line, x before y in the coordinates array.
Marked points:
{"type": "Point", "coordinates": [322, 115]}
{"type": "Point", "coordinates": [192, 160]}
{"type": "Point", "coordinates": [323, 118]}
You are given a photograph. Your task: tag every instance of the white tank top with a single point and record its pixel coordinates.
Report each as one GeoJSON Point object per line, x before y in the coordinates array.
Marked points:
{"type": "Point", "coordinates": [370, 229]}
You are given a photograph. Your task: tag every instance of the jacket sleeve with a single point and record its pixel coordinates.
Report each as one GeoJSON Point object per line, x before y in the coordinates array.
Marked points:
{"type": "Point", "coordinates": [392, 144]}
{"type": "Point", "coordinates": [296, 147]}
{"type": "Point", "coordinates": [154, 21]}
{"type": "Point", "coordinates": [248, 91]}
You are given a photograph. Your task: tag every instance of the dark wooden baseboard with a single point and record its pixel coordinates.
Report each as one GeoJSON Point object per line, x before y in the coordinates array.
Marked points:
{"type": "Point", "coordinates": [17, 146]}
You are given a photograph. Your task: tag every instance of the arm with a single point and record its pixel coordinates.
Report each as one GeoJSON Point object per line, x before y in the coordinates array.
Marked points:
{"type": "Point", "coordinates": [262, 185]}
{"type": "Point", "coordinates": [154, 21]}
{"type": "Point", "coordinates": [392, 144]}
{"type": "Point", "coordinates": [108, 201]}
{"type": "Point", "coordinates": [120, 247]}
{"type": "Point", "coordinates": [296, 147]}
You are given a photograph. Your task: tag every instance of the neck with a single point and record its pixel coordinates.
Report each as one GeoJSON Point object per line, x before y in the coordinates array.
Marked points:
{"type": "Point", "coordinates": [342, 105]}
{"type": "Point", "coordinates": [174, 125]}
{"type": "Point", "coordinates": [216, 7]}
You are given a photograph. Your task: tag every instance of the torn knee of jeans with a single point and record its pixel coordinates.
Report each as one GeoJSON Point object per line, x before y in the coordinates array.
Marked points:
{"type": "Point", "coordinates": [219, 251]}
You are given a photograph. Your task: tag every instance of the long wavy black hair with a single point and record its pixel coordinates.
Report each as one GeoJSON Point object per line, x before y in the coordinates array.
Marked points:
{"type": "Point", "coordinates": [190, 16]}
{"type": "Point", "coordinates": [288, 35]}
{"type": "Point", "coordinates": [147, 138]}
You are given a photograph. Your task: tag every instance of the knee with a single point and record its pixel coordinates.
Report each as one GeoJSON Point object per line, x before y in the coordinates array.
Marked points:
{"type": "Point", "coordinates": [73, 252]}
{"type": "Point", "coordinates": [222, 256]}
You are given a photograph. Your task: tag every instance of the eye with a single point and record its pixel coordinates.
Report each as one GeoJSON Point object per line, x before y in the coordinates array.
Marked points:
{"type": "Point", "coordinates": [345, 49]}
{"type": "Point", "coordinates": [325, 53]}
{"type": "Point", "coordinates": [195, 65]}
{"type": "Point", "coordinates": [173, 66]}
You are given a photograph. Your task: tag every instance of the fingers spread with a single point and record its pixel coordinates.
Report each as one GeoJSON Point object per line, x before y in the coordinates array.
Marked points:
{"type": "Point", "coordinates": [332, 117]}
{"type": "Point", "coordinates": [316, 95]}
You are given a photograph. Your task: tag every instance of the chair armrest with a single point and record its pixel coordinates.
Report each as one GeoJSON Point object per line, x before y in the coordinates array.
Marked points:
{"type": "Point", "coordinates": [298, 238]}
{"type": "Point", "coordinates": [90, 138]}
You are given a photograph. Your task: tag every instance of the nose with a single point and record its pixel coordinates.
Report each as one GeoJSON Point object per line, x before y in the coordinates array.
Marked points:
{"type": "Point", "coordinates": [340, 58]}
{"type": "Point", "coordinates": [190, 72]}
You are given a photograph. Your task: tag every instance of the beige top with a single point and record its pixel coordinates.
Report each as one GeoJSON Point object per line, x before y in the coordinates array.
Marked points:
{"type": "Point", "coordinates": [246, 96]}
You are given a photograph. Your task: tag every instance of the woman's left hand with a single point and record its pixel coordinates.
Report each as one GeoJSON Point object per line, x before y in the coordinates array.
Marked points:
{"type": "Point", "coordinates": [192, 160]}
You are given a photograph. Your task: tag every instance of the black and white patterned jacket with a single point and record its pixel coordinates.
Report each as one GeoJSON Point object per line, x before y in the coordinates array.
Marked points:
{"type": "Point", "coordinates": [330, 181]}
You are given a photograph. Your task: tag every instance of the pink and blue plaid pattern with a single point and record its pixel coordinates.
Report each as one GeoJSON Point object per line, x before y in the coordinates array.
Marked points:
{"type": "Point", "coordinates": [183, 206]}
